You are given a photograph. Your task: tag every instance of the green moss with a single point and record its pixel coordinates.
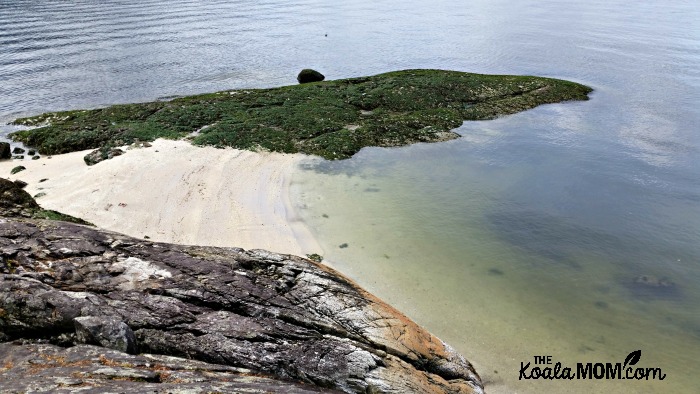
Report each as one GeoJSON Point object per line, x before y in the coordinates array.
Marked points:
{"type": "Point", "coordinates": [53, 215]}
{"type": "Point", "coordinates": [332, 119]}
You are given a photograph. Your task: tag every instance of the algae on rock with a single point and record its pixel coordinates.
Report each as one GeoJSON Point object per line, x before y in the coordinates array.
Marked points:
{"type": "Point", "coordinates": [332, 119]}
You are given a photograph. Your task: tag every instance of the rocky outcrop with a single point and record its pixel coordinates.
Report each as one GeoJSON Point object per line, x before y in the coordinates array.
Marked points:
{"type": "Point", "coordinates": [46, 368]}
{"type": "Point", "coordinates": [275, 316]}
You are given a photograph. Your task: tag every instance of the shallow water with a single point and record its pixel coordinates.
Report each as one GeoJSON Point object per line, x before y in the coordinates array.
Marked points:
{"type": "Point", "coordinates": [531, 235]}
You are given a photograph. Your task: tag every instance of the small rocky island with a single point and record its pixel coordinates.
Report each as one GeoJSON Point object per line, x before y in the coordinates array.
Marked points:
{"type": "Point", "coordinates": [92, 310]}
{"type": "Point", "coordinates": [331, 119]}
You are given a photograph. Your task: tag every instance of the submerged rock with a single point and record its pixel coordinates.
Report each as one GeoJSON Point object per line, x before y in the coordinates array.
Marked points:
{"type": "Point", "coordinates": [651, 287]}
{"type": "Point", "coordinates": [279, 316]}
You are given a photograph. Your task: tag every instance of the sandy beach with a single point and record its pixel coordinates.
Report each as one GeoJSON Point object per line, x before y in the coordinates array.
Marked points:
{"type": "Point", "coordinates": [175, 192]}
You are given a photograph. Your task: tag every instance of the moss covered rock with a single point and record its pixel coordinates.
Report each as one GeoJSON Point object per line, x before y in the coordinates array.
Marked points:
{"type": "Point", "coordinates": [15, 202]}
{"type": "Point", "coordinates": [332, 119]}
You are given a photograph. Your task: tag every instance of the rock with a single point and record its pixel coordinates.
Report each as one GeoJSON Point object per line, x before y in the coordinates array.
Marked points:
{"type": "Point", "coordinates": [5, 151]}
{"type": "Point", "coordinates": [17, 150]}
{"type": "Point", "coordinates": [102, 154]}
{"type": "Point", "coordinates": [105, 331]}
{"type": "Point", "coordinates": [31, 152]}
{"type": "Point", "coordinates": [315, 257]}
{"type": "Point", "coordinates": [20, 157]}
{"type": "Point", "coordinates": [32, 368]}
{"type": "Point", "coordinates": [279, 316]}
{"type": "Point", "coordinates": [14, 201]}
{"type": "Point", "coordinates": [652, 281]}
{"type": "Point", "coordinates": [36, 157]}
{"type": "Point", "coordinates": [308, 75]}
{"type": "Point", "coordinates": [652, 287]}
{"type": "Point", "coordinates": [17, 169]}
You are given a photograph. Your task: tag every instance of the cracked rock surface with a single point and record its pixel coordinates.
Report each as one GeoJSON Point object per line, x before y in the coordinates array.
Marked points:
{"type": "Point", "coordinates": [250, 318]}
{"type": "Point", "coordinates": [37, 368]}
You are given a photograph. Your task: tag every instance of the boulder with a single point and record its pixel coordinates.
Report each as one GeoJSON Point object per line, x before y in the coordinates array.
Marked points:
{"type": "Point", "coordinates": [17, 150]}
{"type": "Point", "coordinates": [102, 154]}
{"type": "Point", "coordinates": [106, 331]}
{"type": "Point", "coordinates": [308, 75]}
{"type": "Point", "coordinates": [5, 152]}
{"type": "Point", "coordinates": [17, 169]}
{"type": "Point", "coordinates": [14, 201]}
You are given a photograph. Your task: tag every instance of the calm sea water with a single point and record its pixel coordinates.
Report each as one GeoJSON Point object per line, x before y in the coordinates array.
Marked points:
{"type": "Point", "coordinates": [571, 230]}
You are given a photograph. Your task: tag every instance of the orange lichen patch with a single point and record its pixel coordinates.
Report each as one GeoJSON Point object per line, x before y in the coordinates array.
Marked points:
{"type": "Point", "coordinates": [111, 363]}
{"type": "Point", "coordinates": [61, 360]}
{"type": "Point", "coordinates": [7, 365]}
{"type": "Point", "coordinates": [53, 361]}
{"type": "Point", "coordinates": [394, 330]}
{"type": "Point", "coordinates": [160, 367]}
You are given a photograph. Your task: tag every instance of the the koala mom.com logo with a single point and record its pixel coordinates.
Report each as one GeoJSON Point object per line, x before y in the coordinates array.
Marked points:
{"type": "Point", "coordinates": [543, 368]}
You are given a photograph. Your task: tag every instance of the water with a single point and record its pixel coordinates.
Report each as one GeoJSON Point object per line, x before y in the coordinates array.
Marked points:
{"type": "Point", "coordinates": [528, 236]}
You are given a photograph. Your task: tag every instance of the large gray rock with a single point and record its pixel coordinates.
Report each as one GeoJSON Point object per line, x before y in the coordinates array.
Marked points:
{"type": "Point", "coordinates": [106, 331]}
{"type": "Point", "coordinates": [276, 315]}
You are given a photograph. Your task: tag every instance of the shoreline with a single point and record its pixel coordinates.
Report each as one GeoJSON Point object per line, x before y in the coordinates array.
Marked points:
{"type": "Point", "coordinates": [188, 195]}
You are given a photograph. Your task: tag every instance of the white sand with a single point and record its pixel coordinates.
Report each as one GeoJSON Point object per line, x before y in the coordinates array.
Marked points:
{"type": "Point", "coordinates": [175, 192]}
